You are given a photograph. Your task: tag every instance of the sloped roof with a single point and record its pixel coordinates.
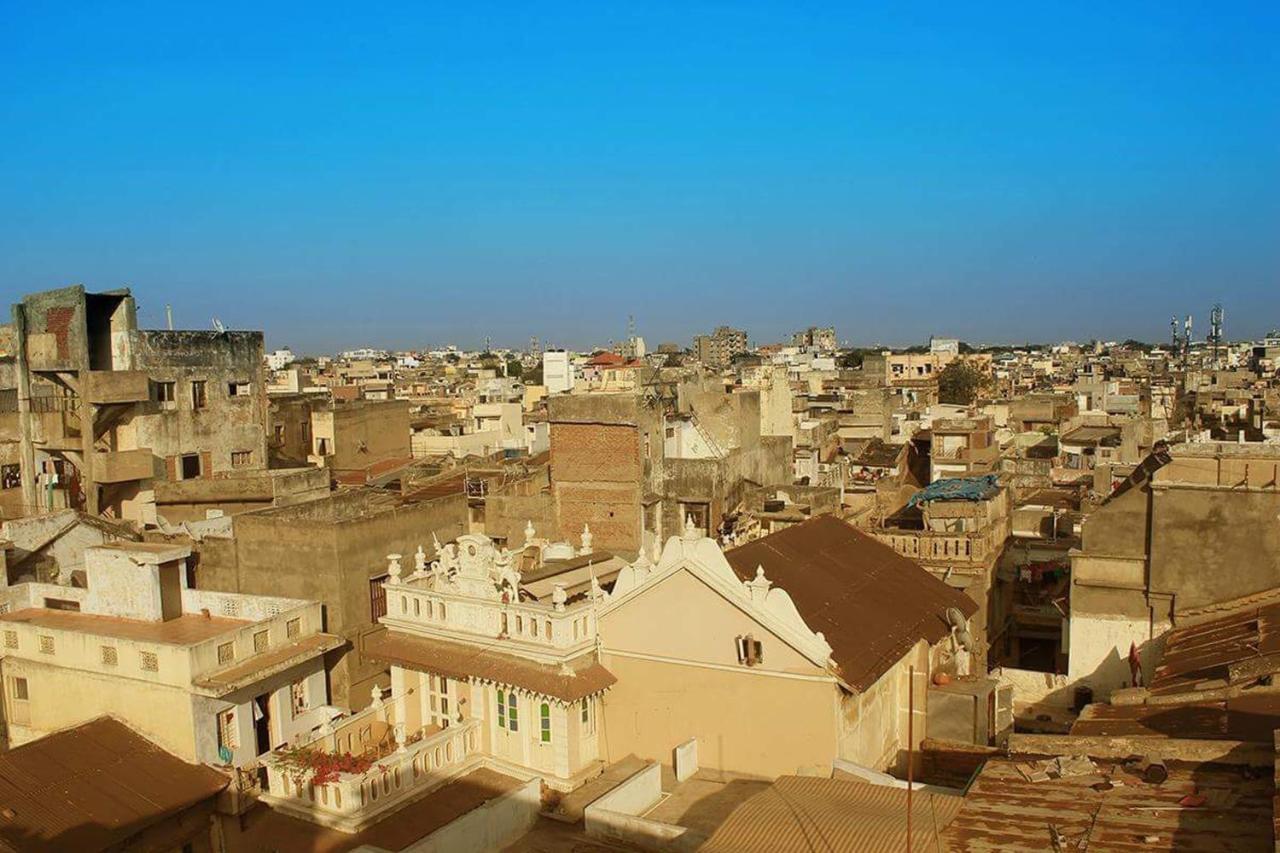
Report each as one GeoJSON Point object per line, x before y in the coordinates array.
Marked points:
{"type": "Point", "coordinates": [92, 786]}
{"type": "Point", "coordinates": [799, 813]}
{"type": "Point", "coordinates": [871, 603]}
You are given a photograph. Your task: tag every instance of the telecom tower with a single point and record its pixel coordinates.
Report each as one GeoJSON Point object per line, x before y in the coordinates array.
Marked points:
{"type": "Point", "coordinates": [1215, 330]}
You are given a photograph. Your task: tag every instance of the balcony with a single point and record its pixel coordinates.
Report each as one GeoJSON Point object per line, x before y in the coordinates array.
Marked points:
{"type": "Point", "coordinates": [118, 386]}
{"type": "Point", "coordinates": [124, 466]}
{"type": "Point", "coordinates": [528, 626]}
{"type": "Point", "coordinates": [939, 547]}
{"type": "Point", "coordinates": [395, 766]}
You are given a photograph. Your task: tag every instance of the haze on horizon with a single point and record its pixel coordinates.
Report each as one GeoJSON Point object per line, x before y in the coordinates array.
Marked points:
{"type": "Point", "coordinates": [418, 176]}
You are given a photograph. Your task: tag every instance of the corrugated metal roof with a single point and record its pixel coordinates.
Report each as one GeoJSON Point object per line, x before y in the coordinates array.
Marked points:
{"type": "Point", "coordinates": [807, 814]}
{"type": "Point", "coordinates": [92, 786]}
{"type": "Point", "coordinates": [1003, 811]}
{"type": "Point", "coordinates": [461, 660]}
{"type": "Point", "coordinates": [871, 603]}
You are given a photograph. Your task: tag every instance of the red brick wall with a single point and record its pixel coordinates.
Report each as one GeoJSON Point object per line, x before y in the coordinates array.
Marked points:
{"type": "Point", "coordinates": [596, 480]}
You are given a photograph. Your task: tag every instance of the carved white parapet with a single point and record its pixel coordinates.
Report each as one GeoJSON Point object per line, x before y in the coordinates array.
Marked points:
{"type": "Point", "coordinates": [758, 588]}
{"type": "Point", "coordinates": [393, 566]}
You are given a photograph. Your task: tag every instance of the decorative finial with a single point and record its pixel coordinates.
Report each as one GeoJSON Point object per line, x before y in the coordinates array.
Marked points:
{"type": "Point", "coordinates": [401, 738]}
{"type": "Point", "coordinates": [529, 532]}
{"type": "Point", "coordinates": [586, 540]}
{"type": "Point", "coordinates": [375, 693]}
{"type": "Point", "coordinates": [420, 561]}
{"type": "Point", "coordinates": [559, 597]}
{"type": "Point", "coordinates": [393, 566]}
{"type": "Point", "coordinates": [690, 530]}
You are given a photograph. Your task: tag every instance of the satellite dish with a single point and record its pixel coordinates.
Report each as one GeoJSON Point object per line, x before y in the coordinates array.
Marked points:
{"type": "Point", "coordinates": [955, 618]}
{"type": "Point", "coordinates": [218, 327]}
{"type": "Point", "coordinates": [964, 638]}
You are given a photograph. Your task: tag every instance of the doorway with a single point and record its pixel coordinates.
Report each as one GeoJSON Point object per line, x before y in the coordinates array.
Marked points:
{"type": "Point", "coordinates": [262, 722]}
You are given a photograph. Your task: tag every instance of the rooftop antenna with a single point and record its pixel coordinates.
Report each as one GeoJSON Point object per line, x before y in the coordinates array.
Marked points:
{"type": "Point", "coordinates": [1173, 325]}
{"type": "Point", "coordinates": [487, 348]}
{"type": "Point", "coordinates": [631, 327]}
{"type": "Point", "coordinates": [1215, 330]}
{"type": "Point", "coordinates": [218, 327]}
{"type": "Point", "coordinates": [1186, 340]}
{"type": "Point", "coordinates": [168, 316]}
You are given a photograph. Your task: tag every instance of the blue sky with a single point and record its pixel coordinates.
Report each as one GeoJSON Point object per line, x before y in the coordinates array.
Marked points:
{"type": "Point", "coordinates": [432, 173]}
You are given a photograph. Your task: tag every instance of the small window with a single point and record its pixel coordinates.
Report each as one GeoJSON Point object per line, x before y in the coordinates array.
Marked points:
{"type": "Point", "coordinates": [10, 476]}
{"type": "Point", "coordinates": [261, 639]}
{"type": "Point", "coordinates": [378, 597]}
{"type": "Point", "coordinates": [502, 711]}
{"type": "Point", "coordinates": [199, 395]}
{"type": "Point", "coordinates": [20, 689]}
{"type": "Point", "coordinates": [10, 639]}
{"type": "Point", "coordinates": [226, 652]}
{"type": "Point", "coordinates": [190, 466]}
{"type": "Point", "coordinates": [109, 656]}
{"type": "Point", "coordinates": [165, 392]}
{"type": "Point", "coordinates": [544, 715]}
{"type": "Point", "coordinates": [750, 650]}
{"type": "Point", "coordinates": [512, 723]}
{"type": "Point", "coordinates": [227, 734]}
{"type": "Point", "coordinates": [149, 661]}
{"type": "Point", "coordinates": [298, 698]}
{"type": "Point", "coordinates": [279, 433]}
{"type": "Point", "coordinates": [239, 389]}
{"type": "Point", "coordinates": [241, 458]}
{"type": "Point", "coordinates": [46, 644]}
{"type": "Point", "coordinates": [292, 628]}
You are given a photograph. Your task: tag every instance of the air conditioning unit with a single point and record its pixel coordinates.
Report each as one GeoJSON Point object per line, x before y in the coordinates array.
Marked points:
{"type": "Point", "coordinates": [977, 711]}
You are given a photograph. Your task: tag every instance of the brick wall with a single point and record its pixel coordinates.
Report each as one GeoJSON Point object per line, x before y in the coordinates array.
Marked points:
{"type": "Point", "coordinates": [597, 480]}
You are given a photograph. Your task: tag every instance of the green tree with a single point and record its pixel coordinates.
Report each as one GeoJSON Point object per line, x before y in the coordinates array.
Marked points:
{"type": "Point", "coordinates": [960, 382]}
{"type": "Point", "coordinates": [514, 368]}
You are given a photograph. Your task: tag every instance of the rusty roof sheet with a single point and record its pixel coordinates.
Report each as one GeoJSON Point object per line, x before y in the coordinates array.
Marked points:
{"type": "Point", "coordinates": [1236, 648]}
{"type": "Point", "coordinates": [268, 662]}
{"type": "Point", "coordinates": [871, 603]}
{"type": "Point", "coordinates": [1003, 811]}
{"type": "Point", "coordinates": [1251, 718]}
{"type": "Point", "coordinates": [804, 814]}
{"type": "Point", "coordinates": [92, 786]}
{"type": "Point", "coordinates": [463, 661]}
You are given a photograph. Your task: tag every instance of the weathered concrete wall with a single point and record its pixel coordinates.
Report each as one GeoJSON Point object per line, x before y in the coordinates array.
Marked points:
{"type": "Point", "coordinates": [370, 432]}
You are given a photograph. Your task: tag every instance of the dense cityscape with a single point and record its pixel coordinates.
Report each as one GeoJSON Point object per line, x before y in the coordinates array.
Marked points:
{"type": "Point", "coordinates": [718, 595]}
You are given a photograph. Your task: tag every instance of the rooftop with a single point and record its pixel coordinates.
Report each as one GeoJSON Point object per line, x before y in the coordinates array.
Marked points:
{"type": "Point", "coordinates": [185, 630]}
{"type": "Point", "coordinates": [93, 786]}
{"type": "Point", "coordinates": [871, 604]}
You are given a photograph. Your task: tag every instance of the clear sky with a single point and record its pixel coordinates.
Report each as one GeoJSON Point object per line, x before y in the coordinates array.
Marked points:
{"type": "Point", "coordinates": [345, 174]}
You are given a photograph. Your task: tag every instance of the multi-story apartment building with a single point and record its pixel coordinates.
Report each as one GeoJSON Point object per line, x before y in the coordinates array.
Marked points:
{"type": "Point", "coordinates": [106, 411]}
{"type": "Point", "coordinates": [718, 348]}
{"type": "Point", "coordinates": [963, 447]}
{"type": "Point", "coordinates": [212, 677]}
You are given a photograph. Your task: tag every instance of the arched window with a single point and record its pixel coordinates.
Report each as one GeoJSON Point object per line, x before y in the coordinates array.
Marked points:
{"type": "Point", "coordinates": [512, 723]}
{"type": "Point", "coordinates": [545, 720]}
{"type": "Point", "coordinates": [502, 711]}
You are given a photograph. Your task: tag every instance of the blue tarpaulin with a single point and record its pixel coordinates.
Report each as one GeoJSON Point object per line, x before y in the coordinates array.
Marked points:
{"type": "Point", "coordinates": [958, 489]}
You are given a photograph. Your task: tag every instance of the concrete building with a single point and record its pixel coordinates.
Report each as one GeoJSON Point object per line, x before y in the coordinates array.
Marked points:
{"type": "Point", "coordinates": [822, 339]}
{"type": "Point", "coordinates": [558, 373]}
{"type": "Point", "coordinates": [331, 550]}
{"type": "Point", "coordinates": [107, 410]}
{"type": "Point", "coordinates": [280, 359]}
{"type": "Point", "coordinates": [963, 447]}
{"type": "Point", "coordinates": [211, 677]}
{"type": "Point", "coordinates": [1192, 530]}
{"type": "Point", "coordinates": [718, 348]}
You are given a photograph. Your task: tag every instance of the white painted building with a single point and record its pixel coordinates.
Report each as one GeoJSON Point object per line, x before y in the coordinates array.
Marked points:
{"type": "Point", "coordinates": [557, 371]}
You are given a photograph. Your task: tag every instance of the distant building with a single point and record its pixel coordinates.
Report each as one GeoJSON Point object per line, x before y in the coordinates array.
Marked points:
{"type": "Point", "coordinates": [818, 338]}
{"type": "Point", "coordinates": [944, 346]}
{"type": "Point", "coordinates": [719, 348]}
{"type": "Point", "coordinates": [557, 371]}
{"type": "Point", "coordinates": [280, 359]}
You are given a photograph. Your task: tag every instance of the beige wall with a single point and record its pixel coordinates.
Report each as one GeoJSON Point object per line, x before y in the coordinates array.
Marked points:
{"type": "Point", "coordinates": [672, 648]}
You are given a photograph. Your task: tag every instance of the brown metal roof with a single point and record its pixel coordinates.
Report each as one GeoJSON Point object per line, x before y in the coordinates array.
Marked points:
{"type": "Point", "coordinates": [92, 786]}
{"type": "Point", "coordinates": [462, 661]}
{"type": "Point", "coordinates": [804, 814]}
{"type": "Point", "coordinates": [1003, 811]}
{"type": "Point", "coordinates": [1233, 649]}
{"type": "Point", "coordinates": [271, 661]}
{"type": "Point", "coordinates": [871, 603]}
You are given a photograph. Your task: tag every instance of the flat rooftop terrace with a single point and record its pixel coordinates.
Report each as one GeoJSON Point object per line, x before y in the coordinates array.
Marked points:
{"type": "Point", "coordinates": [186, 630]}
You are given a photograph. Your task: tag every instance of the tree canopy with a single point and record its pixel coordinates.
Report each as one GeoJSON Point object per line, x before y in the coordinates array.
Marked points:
{"type": "Point", "coordinates": [960, 382]}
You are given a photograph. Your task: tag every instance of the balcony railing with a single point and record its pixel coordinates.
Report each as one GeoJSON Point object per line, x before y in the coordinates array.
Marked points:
{"type": "Point", "coordinates": [532, 624]}
{"type": "Point", "coordinates": [949, 547]}
{"type": "Point", "coordinates": [403, 765]}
